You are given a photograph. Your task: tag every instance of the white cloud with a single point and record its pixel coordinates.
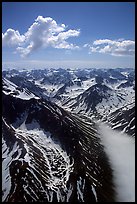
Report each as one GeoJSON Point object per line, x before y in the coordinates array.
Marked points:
{"type": "Point", "coordinates": [44, 32]}
{"type": "Point", "coordinates": [59, 41]}
{"type": "Point", "coordinates": [12, 38]}
{"type": "Point", "coordinates": [118, 47]}
{"type": "Point", "coordinates": [104, 41]}
{"type": "Point", "coordinates": [120, 149]}
{"type": "Point", "coordinates": [94, 49]}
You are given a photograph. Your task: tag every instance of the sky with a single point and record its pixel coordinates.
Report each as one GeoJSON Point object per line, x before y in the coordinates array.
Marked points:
{"type": "Point", "coordinates": [68, 34]}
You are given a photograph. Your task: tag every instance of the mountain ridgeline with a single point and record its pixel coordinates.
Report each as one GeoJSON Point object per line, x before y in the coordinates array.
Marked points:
{"type": "Point", "coordinates": [51, 144]}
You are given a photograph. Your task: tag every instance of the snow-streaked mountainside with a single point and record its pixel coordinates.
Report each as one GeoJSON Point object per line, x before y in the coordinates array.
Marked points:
{"type": "Point", "coordinates": [96, 93]}
{"type": "Point", "coordinates": [55, 147]}
{"type": "Point", "coordinates": [123, 119]}
{"type": "Point", "coordinates": [47, 155]}
{"type": "Point", "coordinates": [10, 88]}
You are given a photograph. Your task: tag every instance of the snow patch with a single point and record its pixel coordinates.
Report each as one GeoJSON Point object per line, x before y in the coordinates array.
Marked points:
{"type": "Point", "coordinates": [55, 157]}
{"type": "Point", "coordinates": [7, 157]}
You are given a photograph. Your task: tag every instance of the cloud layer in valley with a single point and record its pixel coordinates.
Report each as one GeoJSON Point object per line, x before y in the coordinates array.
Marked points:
{"type": "Point", "coordinates": [120, 149]}
{"type": "Point", "coordinates": [44, 32]}
{"type": "Point", "coordinates": [118, 47]}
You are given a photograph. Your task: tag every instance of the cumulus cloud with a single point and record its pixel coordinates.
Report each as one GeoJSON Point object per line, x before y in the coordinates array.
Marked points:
{"type": "Point", "coordinates": [59, 41]}
{"type": "Point", "coordinates": [12, 38]}
{"type": "Point", "coordinates": [44, 32]}
{"type": "Point", "coordinates": [118, 47]}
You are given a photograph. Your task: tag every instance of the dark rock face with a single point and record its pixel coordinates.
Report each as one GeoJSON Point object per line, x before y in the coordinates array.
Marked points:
{"type": "Point", "coordinates": [39, 168]}
{"type": "Point", "coordinates": [92, 96]}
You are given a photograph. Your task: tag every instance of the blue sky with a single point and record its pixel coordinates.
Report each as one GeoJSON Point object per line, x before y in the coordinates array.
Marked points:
{"type": "Point", "coordinates": [77, 34]}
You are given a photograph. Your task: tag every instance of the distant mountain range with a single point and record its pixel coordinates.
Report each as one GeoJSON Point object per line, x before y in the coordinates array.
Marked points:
{"type": "Point", "coordinates": [51, 147]}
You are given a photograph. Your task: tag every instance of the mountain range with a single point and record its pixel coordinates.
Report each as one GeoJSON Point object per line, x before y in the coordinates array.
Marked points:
{"type": "Point", "coordinates": [51, 143]}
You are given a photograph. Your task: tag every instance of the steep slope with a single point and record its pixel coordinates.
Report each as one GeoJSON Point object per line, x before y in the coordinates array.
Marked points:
{"type": "Point", "coordinates": [123, 119]}
{"type": "Point", "coordinates": [51, 155]}
{"type": "Point", "coordinates": [23, 83]}
{"type": "Point", "coordinates": [10, 88]}
{"type": "Point", "coordinates": [98, 99]}
{"type": "Point", "coordinates": [101, 99]}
